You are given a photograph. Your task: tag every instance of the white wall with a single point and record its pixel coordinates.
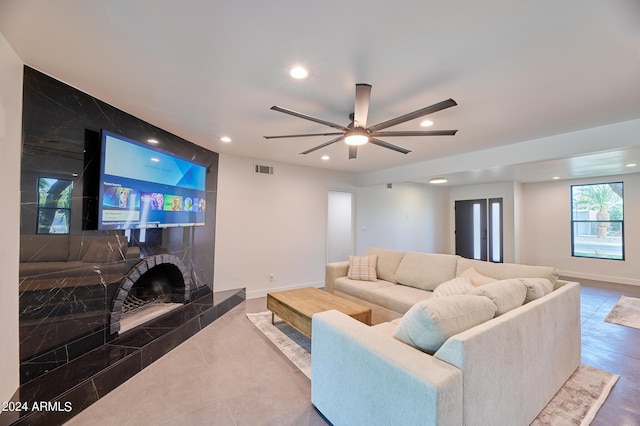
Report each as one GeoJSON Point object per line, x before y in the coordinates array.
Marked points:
{"type": "Point", "coordinates": [10, 140]}
{"type": "Point", "coordinates": [546, 231]}
{"type": "Point", "coordinates": [272, 225]}
{"type": "Point", "coordinates": [507, 191]}
{"type": "Point", "coordinates": [408, 217]}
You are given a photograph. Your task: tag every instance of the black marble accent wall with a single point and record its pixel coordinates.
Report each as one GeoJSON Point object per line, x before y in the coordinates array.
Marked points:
{"type": "Point", "coordinates": [66, 288]}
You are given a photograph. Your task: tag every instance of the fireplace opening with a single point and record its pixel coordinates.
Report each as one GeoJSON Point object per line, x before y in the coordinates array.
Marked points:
{"type": "Point", "coordinates": [155, 286]}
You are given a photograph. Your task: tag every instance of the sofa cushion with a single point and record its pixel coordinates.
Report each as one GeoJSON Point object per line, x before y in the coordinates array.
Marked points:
{"type": "Point", "coordinates": [363, 268]}
{"type": "Point", "coordinates": [476, 277]}
{"type": "Point", "coordinates": [398, 298]}
{"type": "Point", "coordinates": [536, 288]}
{"type": "Point", "coordinates": [360, 289]}
{"type": "Point", "coordinates": [506, 294]}
{"type": "Point", "coordinates": [502, 271]}
{"type": "Point", "coordinates": [428, 324]}
{"type": "Point", "coordinates": [426, 270]}
{"type": "Point", "coordinates": [460, 285]}
{"type": "Point", "coordinates": [388, 261]}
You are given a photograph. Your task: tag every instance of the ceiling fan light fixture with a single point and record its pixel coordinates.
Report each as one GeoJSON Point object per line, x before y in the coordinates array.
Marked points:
{"type": "Point", "coordinates": [357, 136]}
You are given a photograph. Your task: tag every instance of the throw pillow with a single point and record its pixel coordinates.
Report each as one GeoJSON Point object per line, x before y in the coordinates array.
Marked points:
{"type": "Point", "coordinates": [460, 285]}
{"type": "Point", "coordinates": [428, 324]}
{"type": "Point", "coordinates": [476, 277]}
{"type": "Point", "coordinates": [536, 288]}
{"type": "Point", "coordinates": [506, 294]}
{"type": "Point", "coordinates": [362, 268]}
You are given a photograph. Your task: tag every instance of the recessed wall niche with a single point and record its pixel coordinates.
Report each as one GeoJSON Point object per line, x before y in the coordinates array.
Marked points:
{"type": "Point", "coordinates": [70, 272]}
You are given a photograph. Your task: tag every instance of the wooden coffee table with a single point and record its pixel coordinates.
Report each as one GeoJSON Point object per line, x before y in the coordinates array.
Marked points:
{"type": "Point", "coordinates": [296, 307]}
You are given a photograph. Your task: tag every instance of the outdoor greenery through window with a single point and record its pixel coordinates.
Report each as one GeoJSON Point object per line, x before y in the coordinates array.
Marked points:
{"type": "Point", "coordinates": [597, 220]}
{"type": "Point", "coordinates": [54, 205]}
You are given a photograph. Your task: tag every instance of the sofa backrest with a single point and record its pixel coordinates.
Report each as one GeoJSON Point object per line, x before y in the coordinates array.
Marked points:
{"type": "Point", "coordinates": [388, 262]}
{"type": "Point", "coordinates": [426, 270]}
{"type": "Point", "coordinates": [503, 271]}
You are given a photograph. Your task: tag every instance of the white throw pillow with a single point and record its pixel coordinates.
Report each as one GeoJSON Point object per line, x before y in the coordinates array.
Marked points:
{"type": "Point", "coordinates": [460, 285]}
{"type": "Point", "coordinates": [477, 278]}
{"type": "Point", "coordinates": [536, 288]}
{"type": "Point", "coordinates": [362, 268]}
{"type": "Point", "coordinates": [428, 324]}
{"type": "Point", "coordinates": [506, 294]}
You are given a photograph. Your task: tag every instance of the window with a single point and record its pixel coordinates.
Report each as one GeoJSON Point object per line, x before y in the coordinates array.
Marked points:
{"type": "Point", "coordinates": [597, 221]}
{"type": "Point", "coordinates": [54, 205]}
{"type": "Point", "coordinates": [495, 230]}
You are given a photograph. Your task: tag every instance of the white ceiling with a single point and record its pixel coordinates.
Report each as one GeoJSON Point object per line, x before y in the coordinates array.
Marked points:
{"type": "Point", "coordinates": [520, 72]}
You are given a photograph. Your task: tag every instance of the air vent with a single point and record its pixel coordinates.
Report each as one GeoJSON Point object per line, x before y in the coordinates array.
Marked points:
{"type": "Point", "coordinates": [265, 170]}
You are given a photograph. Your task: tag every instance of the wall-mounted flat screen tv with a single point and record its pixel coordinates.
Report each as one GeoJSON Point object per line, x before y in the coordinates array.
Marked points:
{"type": "Point", "coordinates": [143, 187]}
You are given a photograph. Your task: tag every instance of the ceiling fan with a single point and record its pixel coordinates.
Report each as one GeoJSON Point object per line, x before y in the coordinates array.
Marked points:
{"type": "Point", "coordinates": [357, 133]}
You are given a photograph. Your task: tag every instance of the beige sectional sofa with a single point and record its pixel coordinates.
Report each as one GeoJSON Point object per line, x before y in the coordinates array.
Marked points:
{"type": "Point", "coordinates": [503, 369]}
{"type": "Point", "coordinates": [405, 278]}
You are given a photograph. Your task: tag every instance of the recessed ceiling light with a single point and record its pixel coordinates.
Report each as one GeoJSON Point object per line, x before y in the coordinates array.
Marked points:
{"type": "Point", "coordinates": [556, 177]}
{"type": "Point", "coordinates": [299, 72]}
{"type": "Point", "coordinates": [225, 139]}
{"type": "Point", "coordinates": [153, 141]}
{"type": "Point", "coordinates": [631, 165]}
{"type": "Point", "coordinates": [426, 123]}
{"type": "Point", "coordinates": [438, 180]}
{"type": "Point", "coordinates": [325, 157]}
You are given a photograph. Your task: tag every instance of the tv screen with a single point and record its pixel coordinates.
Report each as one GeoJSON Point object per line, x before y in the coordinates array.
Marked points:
{"type": "Point", "coordinates": [143, 187]}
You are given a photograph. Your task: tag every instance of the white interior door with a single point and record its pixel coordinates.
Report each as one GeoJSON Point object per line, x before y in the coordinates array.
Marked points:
{"type": "Point", "coordinates": [339, 226]}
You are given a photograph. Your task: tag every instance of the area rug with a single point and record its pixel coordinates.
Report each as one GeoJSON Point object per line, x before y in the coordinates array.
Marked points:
{"type": "Point", "coordinates": [295, 345]}
{"type": "Point", "coordinates": [576, 403]}
{"type": "Point", "coordinates": [626, 312]}
{"type": "Point", "coordinates": [579, 399]}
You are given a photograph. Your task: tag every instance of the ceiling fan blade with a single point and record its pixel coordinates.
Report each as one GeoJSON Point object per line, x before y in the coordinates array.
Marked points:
{"type": "Point", "coordinates": [353, 151]}
{"type": "Point", "coordinates": [412, 115]}
{"type": "Point", "coordinates": [303, 135]}
{"type": "Point", "coordinates": [332, 141]}
{"type": "Point", "coordinates": [308, 117]}
{"type": "Point", "coordinates": [388, 145]}
{"type": "Point", "coordinates": [416, 133]}
{"type": "Point", "coordinates": [361, 111]}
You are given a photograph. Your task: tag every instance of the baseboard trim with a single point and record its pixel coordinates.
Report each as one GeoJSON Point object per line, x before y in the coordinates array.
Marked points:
{"type": "Point", "coordinates": [263, 292]}
{"type": "Point", "coordinates": [604, 278]}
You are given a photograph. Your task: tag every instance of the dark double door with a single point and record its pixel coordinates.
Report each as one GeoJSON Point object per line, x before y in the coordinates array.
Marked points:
{"type": "Point", "coordinates": [478, 229]}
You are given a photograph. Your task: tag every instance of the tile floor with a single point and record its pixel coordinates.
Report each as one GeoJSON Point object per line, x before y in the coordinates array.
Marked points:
{"type": "Point", "coordinates": [230, 374]}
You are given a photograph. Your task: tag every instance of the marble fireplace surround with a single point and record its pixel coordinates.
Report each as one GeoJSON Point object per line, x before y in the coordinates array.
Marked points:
{"type": "Point", "coordinates": [71, 286]}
